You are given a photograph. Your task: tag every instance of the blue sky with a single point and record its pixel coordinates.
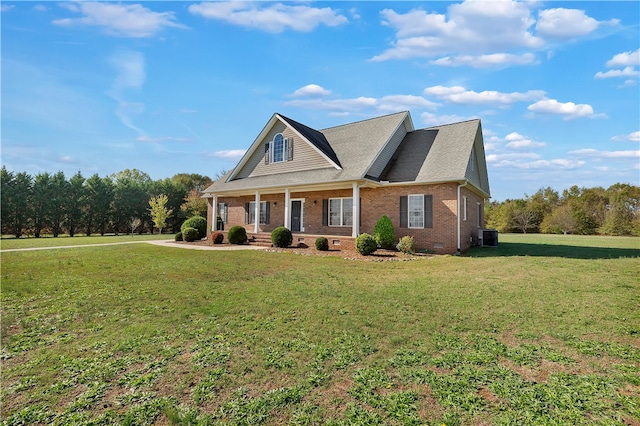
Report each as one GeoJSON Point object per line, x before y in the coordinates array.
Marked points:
{"type": "Point", "coordinates": [185, 87]}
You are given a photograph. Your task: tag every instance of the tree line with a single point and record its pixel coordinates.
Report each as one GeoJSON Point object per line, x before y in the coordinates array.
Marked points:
{"type": "Point", "coordinates": [51, 203]}
{"type": "Point", "coordinates": [586, 211]}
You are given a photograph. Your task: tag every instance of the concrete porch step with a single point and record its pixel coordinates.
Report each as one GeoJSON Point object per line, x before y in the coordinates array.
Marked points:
{"type": "Point", "coordinates": [259, 240]}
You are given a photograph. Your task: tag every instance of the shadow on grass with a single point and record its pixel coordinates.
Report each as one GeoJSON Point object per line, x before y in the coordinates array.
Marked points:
{"type": "Point", "coordinates": [553, 250]}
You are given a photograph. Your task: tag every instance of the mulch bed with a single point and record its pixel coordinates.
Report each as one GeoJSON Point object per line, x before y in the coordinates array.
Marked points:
{"type": "Point", "coordinates": [380, 255]}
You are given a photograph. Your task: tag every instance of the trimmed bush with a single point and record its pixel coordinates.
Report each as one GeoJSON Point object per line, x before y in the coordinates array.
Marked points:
{"type": "Point", "coordinates": [237, 235]}
{"type": "Point", "coordinates": [384, 233]}
{"type": "Point", "coordinates": [366, 244]}
{"type": "Point", "coordinates": [406, 245]}
{"type": "Point", "coordinates": [281, 237]}
{"type": "Point", "coordinates": [178, 236]}
{"type": "Point", "coordinates": [322, 244]}
{"type": "Point", "coordinates": [190, 234]}
{"type": "Point", "coordinates": [197, 222]}
{"type": "Point", "coordinates": [217, 237]}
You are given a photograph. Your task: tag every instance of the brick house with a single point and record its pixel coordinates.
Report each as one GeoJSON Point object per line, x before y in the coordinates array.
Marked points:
{"type": "Point", "coordinates": [337, 182]}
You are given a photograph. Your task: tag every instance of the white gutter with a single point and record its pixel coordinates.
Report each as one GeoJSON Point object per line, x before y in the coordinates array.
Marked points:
{"type": "Point", "coordinates": [459, 224]}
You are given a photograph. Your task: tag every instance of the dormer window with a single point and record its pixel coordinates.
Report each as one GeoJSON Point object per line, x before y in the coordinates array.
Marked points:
{"type": "Point", "coordinates": [278, 150]}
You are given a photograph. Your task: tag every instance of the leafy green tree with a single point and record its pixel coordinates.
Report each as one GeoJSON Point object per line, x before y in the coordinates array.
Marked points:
{"type": "Point", "coordinates": [15, 199]}
{"type": "Point", "coordinates": [159, 212]}
{"type": "Point", "coordinates": [59, 202]}
{"type": "Point", "coordinates": [41, 203]}
{"type": "Point", "coordinates": [194, 205]}
{"type": "Point", "coordinates": [622, 210]}
{"type": "Point", "coordinates": [131, 198]}
{"type": "Point", "coordinates": [99, 198]}
{"type": "Point", "coordinates": [175, 192]}
{"type": "Point", "coordinates": [192, 181]}
{"type": "Point", "coordinates": [560, 220]}
{"type": "Point", "coordinates": [76, 202]}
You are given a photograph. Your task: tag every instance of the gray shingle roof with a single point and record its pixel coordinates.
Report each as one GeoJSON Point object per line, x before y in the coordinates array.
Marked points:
{"type": "Point", "coordinates": [435, 154]}
{"type": "Point", "coordinates": [315, 137]}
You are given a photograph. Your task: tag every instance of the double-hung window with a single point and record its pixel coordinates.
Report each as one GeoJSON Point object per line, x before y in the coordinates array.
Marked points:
{"type": "Point", "coordinates": [416, 211]}
{"type": "Point", "coordinates": [264, 212]}
{"type": "Point", "coordinates": [223, 212]}
{"type": "Point", "coordinates": [340, 211]}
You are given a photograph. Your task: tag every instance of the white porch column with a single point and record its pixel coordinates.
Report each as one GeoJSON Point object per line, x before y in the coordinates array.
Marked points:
{"type": "Point", "coordinates": [214, 213]}
{"type": "Point", "coordinates": [355, 228]}
{"type": "Point", "coordinates": [287, 210]}
{"type": "Point", "coordinates": [256, 227]}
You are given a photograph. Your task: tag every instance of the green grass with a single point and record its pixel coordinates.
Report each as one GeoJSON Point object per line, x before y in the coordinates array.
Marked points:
{"type": "Point", "coordinates": [11, 243]}
{"type": "Point", "coordinates": [139, 334]}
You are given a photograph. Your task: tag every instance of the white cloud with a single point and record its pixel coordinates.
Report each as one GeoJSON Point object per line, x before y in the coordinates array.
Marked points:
{"type": "Point", "coordinates": [625, 59]}
{"type": "Point", "coordinates": [473, 34]}
{"type": "Point", "coordinates": [6, 7]}
{"type": "Point", "coordinates": [460, 95]}
{"type": "Point", "coordinates": [626, 72]}
{"type": "Point", "coordinates": [628, 60]}
{"type": "Point", "coordinates": [40, 8]}
{"type": "Point", "coordinates": [635, 136]}
{"type": "Point", "coordinates": [125, 20]}
{"type": "Point", "coordinates": [404, 103]}
{"type": "Point", "coordinates": [272, 18]}
{"type": "Point", "coordinates": [517, 141]}
{"type": "Point", "coordinates": [502, 158]}
{"type": "Point", "coordinates": [486, 61]}
{"type": "Point", "coordinates": [557, 163]}
{"type": "Point", "coordinates": [430, 119]}
{"type": "Point", "coordinates": [335, 105]}
{"type": "Point", "coordinates": [129, 66]}
{"type": "Point", "coordinates": [565, 23]}
{"type": "Point", "coordinates": [311, 90]}
{"type": "Point", "coordinates": [594, 153]}
{"type": "Point", "coordinates": [229, 154]}
{"type": "Point", "coordinates": [568, 110]}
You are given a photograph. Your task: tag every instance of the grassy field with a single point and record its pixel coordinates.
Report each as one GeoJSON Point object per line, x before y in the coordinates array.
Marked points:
{"type": "Point", "coordinates": [11, 243]}
{"type": "Point", "coordinates": [541, 330]}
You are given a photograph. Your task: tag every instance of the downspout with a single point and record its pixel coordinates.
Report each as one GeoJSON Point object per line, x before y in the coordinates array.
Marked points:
{"type": "Point", "coordinates": [459, 221]}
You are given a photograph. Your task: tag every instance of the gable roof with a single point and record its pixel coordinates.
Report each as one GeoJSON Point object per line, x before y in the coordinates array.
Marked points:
{"type": "Point", "coordinates": [383, 149]}
{"type": "Point", "coordinates": [315, 137]}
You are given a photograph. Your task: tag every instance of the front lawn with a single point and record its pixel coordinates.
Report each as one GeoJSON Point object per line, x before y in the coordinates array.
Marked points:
{"type": "Point", "coordinates": [140, 334]}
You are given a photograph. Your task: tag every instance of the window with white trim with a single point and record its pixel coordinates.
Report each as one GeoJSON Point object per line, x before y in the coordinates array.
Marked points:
{"type": "Point", "coordinates": [416, 211]}
{"type": "Point", "coordinates": [340, 211]}
{"type": "Point", "coordinates": [278, 150]}
{"type": "Point", "coordinates": [223, 211]}
{"type": "Point", "coordinates": [464, 207]}
{"type": "Point", "coordinates": [263, 212]}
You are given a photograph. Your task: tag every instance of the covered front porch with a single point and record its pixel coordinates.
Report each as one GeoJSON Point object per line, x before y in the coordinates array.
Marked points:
{"type": "Point", "coordinates": [330, 211]}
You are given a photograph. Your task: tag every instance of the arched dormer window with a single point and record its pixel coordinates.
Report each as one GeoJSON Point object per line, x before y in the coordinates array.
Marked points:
{"type": "Point", "coordinates": [278, 150]}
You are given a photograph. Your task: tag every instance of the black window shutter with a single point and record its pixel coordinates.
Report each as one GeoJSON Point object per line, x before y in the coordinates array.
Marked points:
{"type": "Point", "coordinates": [246, 212]}
{"type": "Point", "coordinates": [226, 213]}
{"type": "Point", "coordinates": [267, 213]}
{"type": "Point", "coordinates": [290, 149]}
{"type": "Point", "coordinates": [325, 212]}
{"type": "Point", "coordinates": [404, 213]}
{"type": "Point", "coordinates": [360, 212]}
{"type": "Point", "coordinates": [428, 211]}
{"type": "Point", "coordinates": [266, 153]}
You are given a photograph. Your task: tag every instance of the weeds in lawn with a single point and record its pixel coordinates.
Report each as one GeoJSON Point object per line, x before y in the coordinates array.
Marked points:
{"type": "Point", "coordinates": [144, 335]}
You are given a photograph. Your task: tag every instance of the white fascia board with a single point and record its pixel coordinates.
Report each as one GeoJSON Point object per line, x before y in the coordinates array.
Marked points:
{"type": "Point", "coordinates": [329, 160]}
{"type": "Point", "coordinates": [247, 155]}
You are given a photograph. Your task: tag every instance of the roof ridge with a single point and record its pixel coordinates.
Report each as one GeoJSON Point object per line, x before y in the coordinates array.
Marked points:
{"type": "Point", "coordinates": [450, 124]}
{"type": "Point", "coordinates": [366, 119]}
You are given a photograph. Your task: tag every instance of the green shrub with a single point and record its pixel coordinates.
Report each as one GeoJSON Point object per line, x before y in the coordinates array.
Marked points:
{"type": "Point", "coordinates": [384, 233]}
{"type": "Point", "coordinates": [281, 237]}
{"type": "Point", "coordinates": [237, 235]}
{"type": "Point", "coordinates": [406, 245]}
{"type": "Point", "coordinates": [190, 234]}
{"type": "Point", "coordinates": [178, 236]}
{"type": "Point", "coordinates": [322, 244]}
{"type": "Point", "coordinates": [366, 244]}
{"type": "Point", "coordinates": [197, 222]}
{"type": "Point", "coordinates": [217, 237]}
